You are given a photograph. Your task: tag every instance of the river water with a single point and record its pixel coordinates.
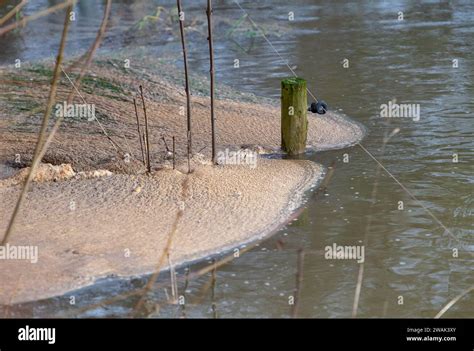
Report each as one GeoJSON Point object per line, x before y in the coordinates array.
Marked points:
{"type": "Point", "coordinates": [357, 56]}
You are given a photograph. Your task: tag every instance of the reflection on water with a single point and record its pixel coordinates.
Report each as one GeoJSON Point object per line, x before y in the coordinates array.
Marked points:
{"type": "Point", "coordinates": [409, 256]}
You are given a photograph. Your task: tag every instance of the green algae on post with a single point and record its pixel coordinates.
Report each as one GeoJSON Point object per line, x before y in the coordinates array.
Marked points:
{"type": "Point", "coordinates": [294, 122]}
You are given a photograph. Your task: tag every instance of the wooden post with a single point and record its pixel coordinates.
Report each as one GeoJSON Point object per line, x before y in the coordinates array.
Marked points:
{"type": "Point", "coordinates": [294, 122]}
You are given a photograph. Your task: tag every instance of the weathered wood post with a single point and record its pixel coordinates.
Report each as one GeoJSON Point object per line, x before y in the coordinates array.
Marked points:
{"type": "Point", "coordinates": [294, 122]}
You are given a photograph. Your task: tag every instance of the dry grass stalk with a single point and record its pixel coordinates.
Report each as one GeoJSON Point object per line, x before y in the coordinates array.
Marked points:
{"type": "Point", "coordinates": [24, 21]}
{"type": "Point", "coordinates": [211, 73]}
{"type": "Point", "coordinates": [453, 302]}
{"type": "Point", "coordinates": [139, 132]}
{"type": "Point", "coordinates": [12, 12]}
{"type": "Point", "coordinates": [42, 133]}
{"type": "Point", "coordinates": [147, 135]}
{"type": "Point", "coordinates": [186, 75]}
{"type": "Point", "coordinates": [299, 283]}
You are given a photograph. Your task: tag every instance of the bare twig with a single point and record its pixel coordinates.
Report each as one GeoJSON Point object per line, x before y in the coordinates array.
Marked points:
{"type": "Point", "coordinates": [41, 149]}
{"type": "Point", "coordinates": [174, 154]}
{"type": "Point", "coordinates": [453, 301]}
{"type": "Point", "coordinates": [189, 151]}
{"type": "Point", "coordinates": [44, 125]}
{"type": "Point", "coordinates": [147, 136]}
{"type": "Point", "coordinates": [299, 282]}
{"type": "Point", "coordinates": [186, 284]}
{"type": "Point", "coordinates": [165, 253]}
{"type": "Point", "coordinates": [188, 93]}
{"type": "Point", "coordinates": [211, 72]}
{"type": "Point", "coordinates": [174, 286]}
{"type": "Point", "coordinates": [145, 148]}
{"type": "Point", "coordinates": [95, 44]}
{"type": "Point", "coordinates": [213, 290]}
{"type": "Point", "coordinates": [166, 144]}
{"type": "Point", "coordinates": [24, 21]}
{"type": "Point", "coordinates": [78, 80]}
{"type": "Point", "coordinates": [138, 129]}
{"type": "Point", "coordinates": [12, 12]}
{"type": "Point", "coordinates": [360, 275]}
{"type": "Point", "coordinates": [142, 291]}
{"type": "Point", "coordinates": [114, 144]}
{"type": "Point", "coordinates": [155, 275]}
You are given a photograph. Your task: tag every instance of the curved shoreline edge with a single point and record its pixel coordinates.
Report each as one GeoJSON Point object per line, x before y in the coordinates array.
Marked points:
{"type": "Point", "coordinates": [295, 202]}
{"type": "Point", "coordinates": [72, 257]}
{"type": "Point", "coordinates": [231, 206]}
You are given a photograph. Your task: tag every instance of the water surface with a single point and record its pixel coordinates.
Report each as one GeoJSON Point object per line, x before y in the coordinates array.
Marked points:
{"type": "Point", "coordinates": [409, 255]}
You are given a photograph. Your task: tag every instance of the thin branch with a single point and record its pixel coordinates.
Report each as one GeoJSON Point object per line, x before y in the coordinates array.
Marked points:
{"type": "Point", "coordinates": [165, 253]}
{"type": "Point", "coordinates": [186, 76]}
{"type": "Point", "coordinates": [77, 83]}
{"type": "Point", "coordinates": [147, 136]}
{"type": "Point", "coordinates": [37, 155]}
{"type": "Point", "coordinates": [174, 154]}
{"type": "Point", "coordinates": [95, 45]}
{"type": "Point", "coordinates": [360, 275]}
{"type": "Point", "coordinates": [13, 12]}
{"type": "Point", "coordinates": [186, 284]}
{"type": "Point", "coordinates": [299, 282]}
{"type": "Point", "coordinates": [114, 144]}
{"type": "Point", "coordinates": [173, 284]}
{"type": "Point", "coordinates": [24, 21]}
{"type": "Point", "coordinates": [145, 148]}
{"type": "Point", "coordinates": [143, 291]}
{"type": "Point", "coordinates": [453, 301]}
{"type": "Point", "coordinates": [139, 132]}
{"type": "Point", "coordinates": [189, 151]}
{"type": "Point", "coordinates": [166, 144]}
{"type": "Point", "coordinates": [37, 159]}
{"type": "Point", "coordinates": [213, 291]}
{"type": "Point", "coordinates": [211, 72]}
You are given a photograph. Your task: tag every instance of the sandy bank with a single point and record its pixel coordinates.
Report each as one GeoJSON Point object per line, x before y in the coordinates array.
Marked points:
{"type": "Point", "coordinates": [87, 228]}
{"type": "Point", "coordinates": [120, 214]}
{"type": "Point", "coordinates": [82, 143]}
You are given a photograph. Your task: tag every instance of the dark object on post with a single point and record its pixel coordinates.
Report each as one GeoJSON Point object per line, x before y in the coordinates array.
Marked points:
{"type": "Point", "coordinates": [294, 122]}
{"type": "Point", "coordinates": [319, 107]}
